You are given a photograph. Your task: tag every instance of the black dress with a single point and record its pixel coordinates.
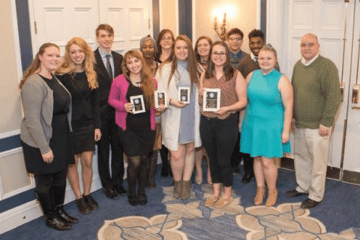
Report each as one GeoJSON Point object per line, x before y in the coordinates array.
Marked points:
{"type": "Point", "coordinates": [138, 138]}
{"type": "Point", "coordinates": [86, 113]}
{"type": "Point", "coordinates": [60, 142]}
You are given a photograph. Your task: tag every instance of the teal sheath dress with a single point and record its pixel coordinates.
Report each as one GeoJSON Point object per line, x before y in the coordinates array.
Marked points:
{"type": "Point", "coordinates": [264, 117]}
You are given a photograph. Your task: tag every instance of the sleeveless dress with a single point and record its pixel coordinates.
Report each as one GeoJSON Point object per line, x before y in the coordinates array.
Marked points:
{"type": "Point", "coordinates": [264, 117]}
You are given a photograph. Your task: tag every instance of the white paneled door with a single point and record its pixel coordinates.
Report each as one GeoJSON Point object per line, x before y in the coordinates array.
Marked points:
{"type": "Point", "coordinates": [58, 20]}
{"type": "Point", "coordinates": [337, 25]}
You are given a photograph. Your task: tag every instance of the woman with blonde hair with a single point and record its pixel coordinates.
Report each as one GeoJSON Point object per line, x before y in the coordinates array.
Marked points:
{"type": "Point", "coordinates": [135, 130]}
{"type": "Point", "coordinates": [267, 121]}
{"type": "Point", "coordinates": [45, 134]}
{"type": "Point", "coordinates": [77, 74]}
{"type": "Point", "coordinates": [180, 121]}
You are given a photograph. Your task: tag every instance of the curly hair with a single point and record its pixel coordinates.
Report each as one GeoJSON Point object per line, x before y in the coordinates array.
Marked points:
{"type": "Point", "coordinates": [68, 67]}
{"type": "Point", "coordinates": [147, 84]}
{"type": "Point", "coordinates": [35, 64]}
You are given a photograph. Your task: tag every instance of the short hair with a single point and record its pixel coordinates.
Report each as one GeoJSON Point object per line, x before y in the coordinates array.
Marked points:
{"type": "Point", "coordinates": [256, 33]}
{"type": "Point", "coordinates": [235, 31]}
{"type": "Point", "coordinates": [105, 27]}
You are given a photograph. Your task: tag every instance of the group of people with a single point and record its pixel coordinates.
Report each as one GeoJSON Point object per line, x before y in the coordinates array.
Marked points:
{"type": "Point", "coordinates": [87, 98]}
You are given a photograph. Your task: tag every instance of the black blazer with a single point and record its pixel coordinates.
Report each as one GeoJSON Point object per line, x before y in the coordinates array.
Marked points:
{"type": "Point", "coordinates": [85, 103]}
{"type": "Point", "coordinates": [107, 112]}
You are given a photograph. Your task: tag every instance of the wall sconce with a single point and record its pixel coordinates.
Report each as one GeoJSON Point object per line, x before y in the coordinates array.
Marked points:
{"type": "Point", "coordinates": [227, 11]}
{"type": "Point", "coordinates": [222, 33]}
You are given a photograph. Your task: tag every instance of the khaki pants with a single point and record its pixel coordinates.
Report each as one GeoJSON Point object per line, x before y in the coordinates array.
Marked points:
{"type": "Point", "coordinates": [311, 153]}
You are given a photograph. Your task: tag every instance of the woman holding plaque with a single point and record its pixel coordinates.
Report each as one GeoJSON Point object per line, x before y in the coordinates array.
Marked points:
{"type": "Point", "coordinates": [45, 134]}
{"type": "Point", "coordinates": [202, 51]}
{"type": "Point", "coordinates": [132, 96]}
{"type": "Point", "coordinates": [266, 124]}
{"type": "Point", "coordinates": [180, 121]}
{"type": "Point", "coordinates": [77, 74]}
{"type": "Point", "coordinates": [219, 128]}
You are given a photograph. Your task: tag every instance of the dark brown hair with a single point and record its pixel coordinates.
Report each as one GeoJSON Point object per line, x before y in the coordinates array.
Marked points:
{"type": "Point", "coordinates": [147, 84]}
{"type": "Point", "coordinates": [35, 64]}
{"type": "Point", "coordinates": [196, 47]}
{"type": "Point", "coordinates": [228, 69]}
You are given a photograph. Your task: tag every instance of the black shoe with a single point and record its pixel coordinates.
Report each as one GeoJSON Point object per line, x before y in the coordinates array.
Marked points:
{"type": "Point", "coordinates": [82, 206]}
{"type": "Point", "coordinates": [64, 215]}
{"type": "Point", "coordinates": [121, 190]}
{"type": "Point", "coordinates": [294, 193]}
{"type": "Point", "coordinates": [133, 200]}
{"type": "Point", "coordinates": [57, 223]}
{"type": "Point", "coordinates": [110, 193]}
{"type": "Point", "coordinates": [246, 178]}
{"type": "Point", "coordinates": [308, 203]}
{"type": "Point", "coordinates": [93, 205]}
{"type": "Point", "coordinates": [142, 199]}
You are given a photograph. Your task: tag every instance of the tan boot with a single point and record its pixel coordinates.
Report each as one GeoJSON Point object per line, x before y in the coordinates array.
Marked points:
{"type": "Point", "coordinates": [272, 197]}
{"type": "Point", "coordinates": [259, 198]}
{"type": "Point", "coordinates": [177, 189]}
{"type": "Point", "coordinates": [185, 191]}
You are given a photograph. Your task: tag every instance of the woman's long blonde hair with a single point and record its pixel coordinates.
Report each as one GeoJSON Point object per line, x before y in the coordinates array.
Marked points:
{"type": "Point", "coordinates": [35, 64]}
{"type": "Point", "coordinates": [67, 65]}
{"type": "Point", "coordinates": [147, 84]}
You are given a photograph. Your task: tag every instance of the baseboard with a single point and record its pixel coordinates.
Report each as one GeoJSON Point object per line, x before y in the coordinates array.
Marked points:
{"type": "Point", "coordinates": [29, 211]}
{"type": "Point", "coordinates": [351, 177]}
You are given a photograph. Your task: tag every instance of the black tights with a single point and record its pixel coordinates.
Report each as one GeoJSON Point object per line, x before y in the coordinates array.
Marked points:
{"type": "Point", "coordinates": [137, 171]}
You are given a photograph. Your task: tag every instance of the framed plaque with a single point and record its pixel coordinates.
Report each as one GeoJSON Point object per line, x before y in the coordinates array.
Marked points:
{"type": "Point", "coordinates": [211, 99]}
{"type": "Point", "coordinates": [160, 98]}
{"type": "Point", "coordinates": [184, 94]}
{"type": "Point", "coordinates": [138, 104]}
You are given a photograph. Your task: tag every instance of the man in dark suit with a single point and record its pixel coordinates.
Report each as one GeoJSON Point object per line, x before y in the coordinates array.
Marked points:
{"type": "Point", "coordinates": [107, 67]}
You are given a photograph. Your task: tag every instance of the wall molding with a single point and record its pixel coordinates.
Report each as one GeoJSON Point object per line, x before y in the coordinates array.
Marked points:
{"type": "Point", "coordinates": [10, 134]}
{"type": "Point", "coordinates": [10, 152]}
{"type": "Point", "coordinates": [29, 211]}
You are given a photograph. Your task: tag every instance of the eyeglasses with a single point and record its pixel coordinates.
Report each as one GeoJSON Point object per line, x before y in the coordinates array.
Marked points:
{"type": "Point", "coordinates": [166, 38]}
{"type": "Point", "coordinates": [217, 54]}
{"type": "Point", "coordinates": [235, 39]}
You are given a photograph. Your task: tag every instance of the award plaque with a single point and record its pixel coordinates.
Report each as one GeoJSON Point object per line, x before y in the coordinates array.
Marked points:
{"type": "Point", "coordinates": [184, 94]}
{"type": "Point", "coordinates": [211, 99]}
{"type": "Point", "coordinates": [138, 104]}
{"type": "Point", "coordinates": [160, 98]}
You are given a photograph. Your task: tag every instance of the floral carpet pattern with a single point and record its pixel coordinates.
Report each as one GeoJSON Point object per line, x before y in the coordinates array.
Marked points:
{"type": "Point", "coordinates": [190, 219]}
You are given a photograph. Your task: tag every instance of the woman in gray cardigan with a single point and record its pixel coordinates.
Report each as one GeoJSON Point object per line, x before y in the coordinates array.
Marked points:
{"type": "Point", "coordinates": [45, 134]}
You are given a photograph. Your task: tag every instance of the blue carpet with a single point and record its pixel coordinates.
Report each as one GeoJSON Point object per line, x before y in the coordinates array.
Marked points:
{"type": "Point", "coordinates": [338, 212]}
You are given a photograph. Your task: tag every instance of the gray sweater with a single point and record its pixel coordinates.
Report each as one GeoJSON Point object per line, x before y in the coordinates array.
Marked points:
{"type": "Point", "coordinates": [38, 103]}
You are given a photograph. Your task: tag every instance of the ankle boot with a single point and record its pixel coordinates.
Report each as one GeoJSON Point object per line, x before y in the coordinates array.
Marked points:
{"type": "Point", "coordinates": [259, 198]}
{"type": "Point", "coordinates": [152, 169]}
{"type": "Point", "coordinates": [272, 197]}
{"type": "Point", "coordinates": [177, 189]}
{"type": "Point", "coordinates": [185, 190]}
{"type": "Point", "coordinates": [51, 218]}
{"type": "Point", "coordinates": [58, 197]}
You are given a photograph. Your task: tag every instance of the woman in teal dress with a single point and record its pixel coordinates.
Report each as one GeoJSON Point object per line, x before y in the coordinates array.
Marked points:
{"type": "Point", "coordinates": [267, 122]}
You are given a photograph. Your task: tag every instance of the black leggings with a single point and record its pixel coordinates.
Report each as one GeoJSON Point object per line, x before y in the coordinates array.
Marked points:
{"type": "Point", "coordinates": [219, 137]}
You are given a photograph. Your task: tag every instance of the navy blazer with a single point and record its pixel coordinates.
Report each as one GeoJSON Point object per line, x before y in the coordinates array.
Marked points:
{"type": "Point", "coordinates": [107, 112]}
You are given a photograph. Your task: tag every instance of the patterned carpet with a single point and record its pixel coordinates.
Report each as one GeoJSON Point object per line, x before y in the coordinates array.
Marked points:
{"type": "Point", "coordinates": [190, 219]}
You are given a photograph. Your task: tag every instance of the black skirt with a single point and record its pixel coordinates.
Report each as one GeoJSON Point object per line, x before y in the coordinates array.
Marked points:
{"type": "Point", "coordinates": [83, 136]}
{"type": "Point", "coordinates": [60, 144]}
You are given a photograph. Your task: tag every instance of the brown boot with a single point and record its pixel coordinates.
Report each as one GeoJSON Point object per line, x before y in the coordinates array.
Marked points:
{"type": "Point", "coordinates": [185, 191]}
{"type": "Point", "coordinates": [272, 197]}
{"type": "Point", "coordinates": [259, 198]}
{"type": "Point", "coordinates": [177, 189]}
